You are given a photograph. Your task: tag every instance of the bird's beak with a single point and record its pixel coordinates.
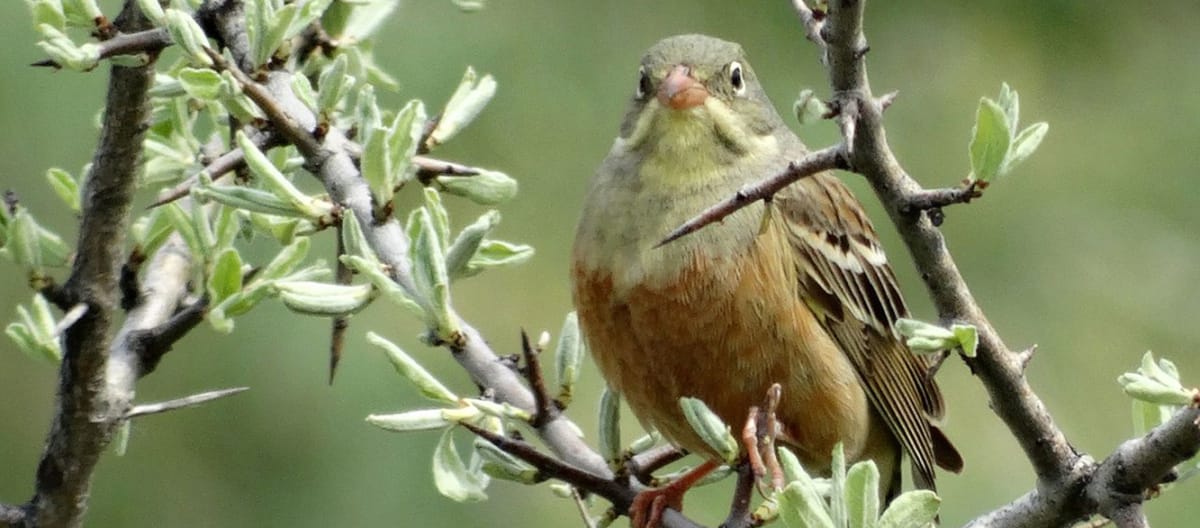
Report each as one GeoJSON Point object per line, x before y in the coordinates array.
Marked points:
{"type": "Point", "coordinates": [680, 90]}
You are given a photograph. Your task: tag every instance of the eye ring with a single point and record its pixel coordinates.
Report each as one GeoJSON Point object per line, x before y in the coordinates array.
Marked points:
{"type": "Point", "coordinates": [737, 78]}
{"type": "Point", "coordinates": [643, 86]}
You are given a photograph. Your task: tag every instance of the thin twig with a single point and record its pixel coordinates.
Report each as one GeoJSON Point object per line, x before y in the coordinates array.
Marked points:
{"type": "Point", "coordinates": [217, 169]}
{"type": "Point", "coordinates": [937, 198]}
{"type": "Point", "coordinates": [339, 325]}
{"type": "Point", "coordinates": [828, 158]}
{"type": "Point", "coordinates": [155, 342]}
{"type": "Point", "coordinates": [739, 507]}
{"type": "Point", "coordinates": [812, 23]}
{"type": "Point", "coordinates": [544, 408]}
{"type": "Point", "coordinates": [588, 522]}
{"type": "Point", "coordinates": [148, 41]}
{"type": "Point", "coordinates": [643, 465]}
{"type": "Point", "coordinates": [180, 403]}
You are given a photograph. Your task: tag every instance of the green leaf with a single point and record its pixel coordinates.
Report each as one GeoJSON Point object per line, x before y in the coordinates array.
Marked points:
{"type": "Point", "coordinates": [429, 272]}
{"type": "Point", "coordinates": [322, 299]}
{"type": "Point", "coordinates": [1025, 144]}
{"type": "Point", "coordinates": [226, 277]}
{"type": "Point", "coordinates": [376, 168]}
{"type": "Point", "coordinates": [429, 386]}
{"type": "Point", "coordinates": [1147, 416]}
{"type": "Point", "coordinates": [64, 186]}
{"type": "Point", "coordinates": [568, 356]}
{"type": "Point", "coordinates": [464, 105]}
{"type": "Point", "coordinates": [403, 137]}
{"type": "Point", "coordinates": [200, 83]}
{"type": "Point", "coordinates": [373, 271]}
{"type": "Point", "coordinates": [967, 337]}
{"type": "Point", "coordinates": [316, 209]}
{"type": "Point", "coordinates": [286, 260]}
{"type": "Point", "coordinates": [23, 241]}
{"type": "Point", "coordinates": [1011, 104]}
{"type": "Point", "coordinates": [451, 476]}
{"type": "Point", "coordinates": [862, 495]}
{"type": "Point", "coordinates": [916, 508]}
{"type": "Point", "coordinates": [419, 420]}
{"type": "Point", "coordinates": [801, 506]}
{"type": "Point", "coordinates": [710, 428]}
{"type": "Point", "coordinates": [466, 245]}
{"type": "Point", "coordinates": [808, 107]}
{"type": "Point", "coordinates": [354, 241]}
{"type": "Point", "coordinates": [837, 491]}
{"type": "Point", "coordinates": [497, 253]}
{"type": "Point", "coordinates": [609, 437]}
{"type": "Point", "coordinates": [188, 35]}
{"type": "Point", "coordinates": [485, 188]}
{"type": "Point", "coordinates": [990, 140]}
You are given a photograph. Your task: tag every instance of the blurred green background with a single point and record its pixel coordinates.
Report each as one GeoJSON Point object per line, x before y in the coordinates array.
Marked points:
{"type": "Point", "coordinates": [1089, 250]}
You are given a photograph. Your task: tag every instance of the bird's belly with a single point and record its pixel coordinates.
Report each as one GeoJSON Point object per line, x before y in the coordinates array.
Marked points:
{"type": "Point", "coordinates": [723, 330]}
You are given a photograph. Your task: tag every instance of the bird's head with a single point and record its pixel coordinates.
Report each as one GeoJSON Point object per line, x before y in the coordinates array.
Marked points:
{"type": "Point", "coordinates": [696, 91]}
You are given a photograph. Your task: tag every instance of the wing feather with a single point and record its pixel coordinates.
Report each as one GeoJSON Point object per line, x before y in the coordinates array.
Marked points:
{"type": "Point", "coordinates": [844, 271]}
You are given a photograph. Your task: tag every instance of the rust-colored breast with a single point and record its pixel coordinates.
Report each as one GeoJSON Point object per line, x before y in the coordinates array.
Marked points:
{"type": "Point", "coordinates": [723, 330]}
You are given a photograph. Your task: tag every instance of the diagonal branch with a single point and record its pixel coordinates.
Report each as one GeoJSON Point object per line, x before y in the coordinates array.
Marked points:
{"type": "Point", "coordinates": [828, 158]}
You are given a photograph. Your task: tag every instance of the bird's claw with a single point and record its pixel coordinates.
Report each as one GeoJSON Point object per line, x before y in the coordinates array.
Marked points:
{"type": "Point", "coordinates": [758, 439]}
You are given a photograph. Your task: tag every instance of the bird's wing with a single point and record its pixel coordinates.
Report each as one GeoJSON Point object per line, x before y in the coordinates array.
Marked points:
{"type": "Point", "coordinates": [845, 277]}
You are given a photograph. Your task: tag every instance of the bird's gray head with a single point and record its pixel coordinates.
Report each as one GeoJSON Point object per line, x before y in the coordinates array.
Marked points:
{"type": "Point", "coordinates": [689, 83]}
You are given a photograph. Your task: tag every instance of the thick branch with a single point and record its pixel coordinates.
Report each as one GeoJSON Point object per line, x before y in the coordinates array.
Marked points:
{"type": "Point", "coordinates": [76, 436]}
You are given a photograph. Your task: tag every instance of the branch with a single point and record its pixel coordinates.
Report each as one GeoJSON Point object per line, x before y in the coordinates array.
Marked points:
{"type": "Point", "coordinates": [148, 41]}
{"type": "Point", "coordinates": [822, 160]}
{"type": "Point", "coordinates": [225, 163]}
{"type": "Point", "coordinates": [80, 429]}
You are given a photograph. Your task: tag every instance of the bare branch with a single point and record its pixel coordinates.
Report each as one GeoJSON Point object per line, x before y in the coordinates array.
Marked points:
{"type": "Point", "coordinates": [180, 403]}
{"type": "Point", "coordinates": [743, 490]}
{"type": "Point", "coordinates": [643, 465]}
{"type": "Point", "coordinates": [148, 41]}
{"type": "Point", "coordinates": [822, 160]}
{"type": "Point", "coordinates": [81, 430]}
{"type": "Point", "coordinates": [812, 22]}
{"type": "Point", "coordinates": [543, 403]}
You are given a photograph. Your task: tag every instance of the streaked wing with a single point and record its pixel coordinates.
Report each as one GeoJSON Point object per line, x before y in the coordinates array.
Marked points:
{"type": "Point", "coordinates": [845, 277]}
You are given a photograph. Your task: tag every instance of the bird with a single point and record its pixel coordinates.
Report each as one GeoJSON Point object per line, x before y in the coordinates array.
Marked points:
{"type": "Point", "coordinates": [796, 290]}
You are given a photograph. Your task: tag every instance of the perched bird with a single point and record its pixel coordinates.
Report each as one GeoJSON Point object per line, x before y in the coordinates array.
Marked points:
{"type": "Point", "coordinates": [797, 291]}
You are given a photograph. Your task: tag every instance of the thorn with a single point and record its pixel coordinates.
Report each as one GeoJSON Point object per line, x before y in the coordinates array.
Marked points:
{"type": "Point", "coordinates": [1025, 356]}
{"type": "Point", "coordinates": [887, 99]}
{"type": "Point", "coordinates": [180, 403]}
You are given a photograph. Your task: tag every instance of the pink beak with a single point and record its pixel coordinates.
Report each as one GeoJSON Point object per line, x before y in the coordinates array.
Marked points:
{"type": "Point", "coordinates": [680, 91]}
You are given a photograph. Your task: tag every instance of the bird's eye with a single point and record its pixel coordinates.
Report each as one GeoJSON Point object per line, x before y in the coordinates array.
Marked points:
{"type": "Point", "coordinates": [736, 79]}
{"type": "Point", "coordinates": [643, 86]}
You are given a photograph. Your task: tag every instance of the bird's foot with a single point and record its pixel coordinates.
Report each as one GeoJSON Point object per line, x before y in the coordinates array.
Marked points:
{"type": "Point", "coordinates": [647, 508]}
{"type": "Point", "coordinates": [758, 439]}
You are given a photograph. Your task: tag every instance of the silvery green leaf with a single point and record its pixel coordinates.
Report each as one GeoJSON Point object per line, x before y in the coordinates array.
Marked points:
{"type": "Point", "coordinates": [1152, 370]}
{"type": "Point", "coordinates": [500, 409]}
{"type": "Point", "coordinates": [403, 137]}
{"type": "Point", "coordinates": [801, 506]}
{"type": "Point", "coordinates": [467, 243]}
{"type": "Point", "coordinates": [48, 12]}
{"type": "Point", "coordinates": [1025, 144]}
{"type": "Point", "coordinates": [248, 199]}
{"type": "Point", "coordinates": [441, 220]}
{"type": "Point", "coordinates": [1147, 416]}
{"type": "Point", "coordinates": [862, 495]}
{"type": "Point", "coordinates": [200, 83]}
{"type": "Point", "coordinates": [464, 105]}
{"type": "Point", "coordinates": [357, 20]}
{"type": "Point", "coordinates": [967, 337]}
{"type": "Point", "coordinates": [226, 277]}
{"type": "Point", "coordinates": [24, 340]}
{"type": "Point", "coordinates": [792, 469]}
{"type": "Point", "coordinates": [64, 186]}
{"type": "Point", "coordinates": [121, 442]}
{"type": "Point", "coordinates": [1150, 390]}
{"type": "Point", "coordinates": [376, 168]}
{"type": "Point", "coordinates": [485, 188]}
{"type": "Point", "coordinates": [286, 260]}
{"type": "Point", "coordinates": [227, 226]}
{"type": "Point", "coordinates": [429, 271]}
{"type": "Point", "coordinates": [153, 231]}
{"type": "Point", "coordinates": [644, 442]}
{"type": "Point", "coordinates": [63, 51]}
{"type": "Point", "coordinates": [917, 508]}
{"type": "Point", "coordinates": [374, 273]}
{"type": "Point", "coordinates": [304, 92]}
{"type": "Point", "coordinates": [837, 491]}
{"type": "Point", "coordinates": [915, 328]}
{"type": "Point", "coordinates": [495, 254]}
{"type": "Point", "coordinates": [711, 429]}
{"type": "Point", "coordinates": [208, 240]}
{"type": "Point", "coordinates": [990, 140]}
{"type": "Point", "coordinates": [1011, 104]}
{"type": "Point", "coordinates": [609, 437]}
{"type": "Point", "coordinates": [279, 184]}
{"type": "Point", "coordinates": [330, 85]}
{"type": "Point", "coordinates": [406, 366]}
{"type": "Point", "coordinates": [501, 465]}
{"type": "Point", "coordinates": [43, 322]}
{"type": "Point", "coordinates": [1169, 368]}
{"type": "Point", "coordinates": [354, 241]}
{"type": "Point", "coordinates": [23, 241]}
{"type": "Point", "coordinates": [419, 420]}
{"type": "Point", "coordinates": [153, 11]}
{"type": "Point", "coordinates": [451, 476]}
{"type": "Point", "coordinates": [568, 356]}
{"type": "Point", "coordinates": [81, 13]}
{"type": "Point", "coordinates": [367, 115]}
{"type": "Point", "coordinates": [187, 34]}
{"type": "Point", "coordinates": [808, 107]}
{"type": "Point", "coordinates": [322, 299]}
